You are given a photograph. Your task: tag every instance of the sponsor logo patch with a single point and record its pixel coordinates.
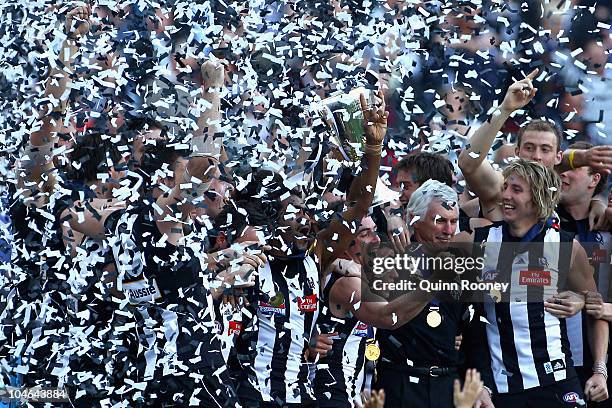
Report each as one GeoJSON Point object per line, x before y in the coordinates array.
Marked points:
{"type": "Point", "coordinates": [554, 365]}
{"type": "Point", "coordinates": [307, 303]}
{"type": "Point", "coordinates": [141, 291]}
{"type": "Point", "coordinates": [234, 328]}
{"type": "Point", "coordinates": [269, 310]}
{"type": "Point", "coordinates": [548, 368]}
{"type": "Point", "coordinates": [521, 261]}
{"type": "Point", "coordinates": [571, 397]}
{"type": "Point", "coordinates": [558, 365]}
{"type": "Point", "coordinates": [361, 330]}
{"type": "Point", "coordinates": [276, 305]}
{"type": "Point", "coordinates": [535, 278]}
{"type": "Point", "coordinates": [599, 256]}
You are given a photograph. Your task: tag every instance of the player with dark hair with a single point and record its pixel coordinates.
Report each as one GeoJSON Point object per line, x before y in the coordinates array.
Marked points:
{"type": "Point", "coordinates": [578, 187]}
{"type": "Point", "coordinates": [270, 367]}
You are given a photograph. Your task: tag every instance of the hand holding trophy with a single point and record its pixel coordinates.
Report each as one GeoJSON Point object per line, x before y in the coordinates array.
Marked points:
{"type": "Point", "coordinates": [358, 124]}
{"type": "Point", "coordinates": [374, 120]}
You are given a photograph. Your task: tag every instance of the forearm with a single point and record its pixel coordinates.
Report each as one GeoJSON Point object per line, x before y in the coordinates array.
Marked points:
{"type": "Point", "coordinates": [208, 123]}
{"type": "Point", "coordinates": [481, 142]}
{"type": "Point", "coordinates": [607, 312]}
{"type": "Point", "coordinates": [406, 307]}
{"type": "Point", "coordinates": [209, 110]}
{"type": "Point", "coordinates": [54, 100]}
{"type": "Point", "coordinates": [569, 160]}
{"type": "Point", "coordinates": [362, 190]}
{"type": "Point", "coordinates": [573, 159]}
{"type": "Point", "coordinates": [598, 333]}
{"type": "Point", "coordinates": [223, 281]}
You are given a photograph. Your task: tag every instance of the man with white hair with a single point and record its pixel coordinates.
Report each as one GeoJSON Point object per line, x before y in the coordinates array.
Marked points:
{"type": "Point", "coordinates": [419, 360]}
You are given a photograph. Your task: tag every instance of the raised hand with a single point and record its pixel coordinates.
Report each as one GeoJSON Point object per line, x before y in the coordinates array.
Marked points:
{"type": "Point", "coordinates": [213, 74]}
{"type": "Point", "coordinates": [472, 388]}
{"type": "Point", "coordinates": [374, 119]}
{"type": "Point", "coordinates": [375, 400]}
{"type": "Point", "coordinates": [599, 159]}
{"type": "Point", "coordinates": [398, 233]}
{"type": "Point", "coordinates": [77, 21]}
{"type": "Point", "coordinates": [321, 345]}
{"type": "Point", "coordinates": [520, 93]}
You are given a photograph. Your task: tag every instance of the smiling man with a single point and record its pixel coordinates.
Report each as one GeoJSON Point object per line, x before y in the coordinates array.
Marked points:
{"type": "Point", "coordinates": [418, 362]}
{"type": "Point", "coordinates": [530, 362]}
{"type": "Point", "coordinates": [538, 140]}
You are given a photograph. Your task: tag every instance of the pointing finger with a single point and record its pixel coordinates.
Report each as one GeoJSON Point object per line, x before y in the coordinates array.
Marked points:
{"type": "Point", "coordinates": [533, 74]}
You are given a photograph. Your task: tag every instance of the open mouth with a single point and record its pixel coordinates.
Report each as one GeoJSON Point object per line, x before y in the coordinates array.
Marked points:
{"type": "Point", "coordinates": [507, 206]}
{"type": "Point", "coordinates": [305, 230]}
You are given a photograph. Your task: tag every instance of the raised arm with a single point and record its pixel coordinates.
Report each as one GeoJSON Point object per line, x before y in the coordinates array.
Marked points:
{"type": "Point", "coordinates": [208, 123]}
{"type": "Point", "coordinates": [483, 180]}
{"type": "Point", "coordinates": [338, 236]}
{"type": "Point", "coordinates": [598, 158]}
{"type": "Point", "coordinates": [37, 163]}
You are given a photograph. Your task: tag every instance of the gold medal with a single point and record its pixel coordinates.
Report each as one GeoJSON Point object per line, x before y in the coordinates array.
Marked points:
{"type": "Point", "coordinates": [372, 352]}
{"type": "Point", "coordinates": [434, 318]}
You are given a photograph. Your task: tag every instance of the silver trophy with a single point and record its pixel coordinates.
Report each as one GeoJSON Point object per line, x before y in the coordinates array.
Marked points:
{"type": "Point", "coordinates": [343, 113]}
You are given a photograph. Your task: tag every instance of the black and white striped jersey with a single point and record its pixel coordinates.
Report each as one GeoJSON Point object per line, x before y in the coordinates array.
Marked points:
{"type": "Point", "coordinates": [340, 374]}
{"type": "Point", "coordinates": [166, 289]}
{"type": "Point", "coordinates": [528, 346]}
{"type": "Point", "coordinates": [270, 349]}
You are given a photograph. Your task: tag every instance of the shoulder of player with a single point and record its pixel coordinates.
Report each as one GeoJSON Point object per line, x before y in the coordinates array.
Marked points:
{"type": "Point", "coordinates": [578, 253]}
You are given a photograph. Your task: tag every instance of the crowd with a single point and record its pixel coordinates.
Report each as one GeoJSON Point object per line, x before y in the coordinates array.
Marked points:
{"type": "Point", "coordinates": [184, 225]}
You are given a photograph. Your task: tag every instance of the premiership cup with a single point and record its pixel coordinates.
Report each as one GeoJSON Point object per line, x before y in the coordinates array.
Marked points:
{"type": "Point", "coordinates": [343, 113]}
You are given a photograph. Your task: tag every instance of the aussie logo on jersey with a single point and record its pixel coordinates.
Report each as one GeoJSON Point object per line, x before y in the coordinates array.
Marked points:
{"type": "Point", "coordinates": [141, 291]}
{"type": "Point", "coordinates": [361, 330]}
{"type": "Point", "coordinates": [276, 305]}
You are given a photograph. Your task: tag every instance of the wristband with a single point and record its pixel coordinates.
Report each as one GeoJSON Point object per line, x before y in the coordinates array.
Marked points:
{"type": "Point", "coordinates": [600, 368]}
{"type": "Point", "coordinates": [373, 149]}
{"type": "Point", "coordinates": [487, 389]}
{"type": "Point", "coordinates": [571, 158]}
